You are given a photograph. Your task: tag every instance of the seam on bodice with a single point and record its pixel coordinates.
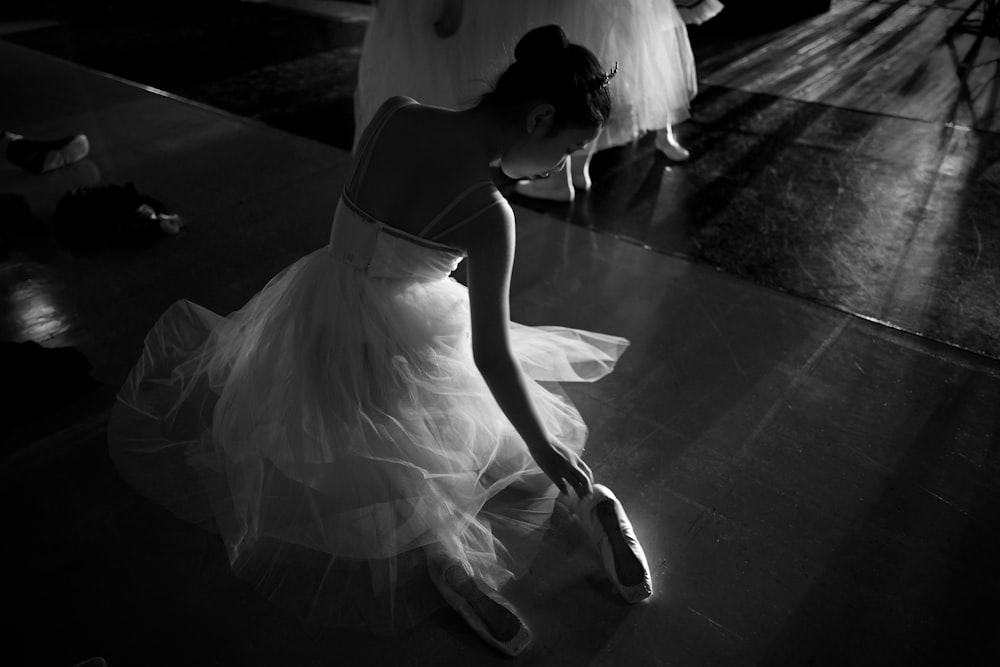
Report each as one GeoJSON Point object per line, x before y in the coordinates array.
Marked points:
{"type": "Point", "coordinates": [356, 247]}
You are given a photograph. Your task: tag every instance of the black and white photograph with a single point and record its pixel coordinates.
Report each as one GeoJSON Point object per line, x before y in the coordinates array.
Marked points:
{"type": "Point", "coordinates": [457, 333]}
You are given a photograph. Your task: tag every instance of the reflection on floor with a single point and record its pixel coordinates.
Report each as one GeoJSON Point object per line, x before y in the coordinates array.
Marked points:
{"type": "Point", "coordinates": [892, 219]}
{"type": "Point", "coordinates": [811, 487]}
{"type": "Point", "coordinates": [918, 60]}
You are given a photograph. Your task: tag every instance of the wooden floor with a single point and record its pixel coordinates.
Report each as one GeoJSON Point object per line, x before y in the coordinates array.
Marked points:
{"type": "Point", "coordinates": [897, 57]}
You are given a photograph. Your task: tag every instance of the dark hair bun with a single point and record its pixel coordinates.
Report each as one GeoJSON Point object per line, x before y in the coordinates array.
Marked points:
{"type": "Point", "coordinates": [541, 45]}
{"type": "Point", "coordinates": [548, 68]}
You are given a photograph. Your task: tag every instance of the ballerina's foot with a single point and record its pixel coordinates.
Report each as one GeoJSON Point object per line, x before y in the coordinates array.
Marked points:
{"type": "Point", "coordinates": [629, 569]}
{"type": "Point", "coordinates": [668, 145]}
{"type": "Point", "coordinates": [551, 189]}
{"type": "Point", "coordinates": [500, 621]}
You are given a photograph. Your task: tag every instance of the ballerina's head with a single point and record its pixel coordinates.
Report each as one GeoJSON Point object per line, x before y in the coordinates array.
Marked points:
{"type": "Point", "coordinates": [558, 93]}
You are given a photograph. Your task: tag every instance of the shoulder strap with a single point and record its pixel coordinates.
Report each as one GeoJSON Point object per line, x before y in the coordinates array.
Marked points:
{"type": "Point", "coordinates": [495, 199]}
{"type": "Point", "coordinates": [371, 133]}
{"type": "Point", "coordinates": [451, 206]}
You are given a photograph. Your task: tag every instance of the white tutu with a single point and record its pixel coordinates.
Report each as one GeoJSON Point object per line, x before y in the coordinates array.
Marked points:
{"type": "Point", "coordinates": [337, 424]}
{"type": "Point", "coordinates": [647, 38]}
{"type": "Point", "coordinates": [401, 55]}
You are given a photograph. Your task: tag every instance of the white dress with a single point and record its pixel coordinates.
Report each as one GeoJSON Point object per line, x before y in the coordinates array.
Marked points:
{"type": "Point", "coordinates": [401, 55]}
{"type": "Point", "coordinates": [648, 39]}
{"type": "Point", "coordinates": [336, 425]}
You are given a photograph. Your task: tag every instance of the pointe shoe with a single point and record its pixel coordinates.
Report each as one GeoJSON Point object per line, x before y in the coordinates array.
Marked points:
{"type": "Point", "coordinates": [551, 188]}
{"type": "Point", "coordinates": [586, 510]}
{"type": "Point", "coordinates": [667, 144]}
{"type": "Point", "coordinates": [513, 646]}
{"type": "Point", "coordinates": [42, 156]}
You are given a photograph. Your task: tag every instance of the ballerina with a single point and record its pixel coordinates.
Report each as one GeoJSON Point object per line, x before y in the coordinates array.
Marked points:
{"type": "Point", "coordinates": [366, 423]}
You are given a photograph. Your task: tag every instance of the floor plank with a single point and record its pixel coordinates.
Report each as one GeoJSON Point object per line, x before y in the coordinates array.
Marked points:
{"type": "Point", "coordinates": [896, 58]}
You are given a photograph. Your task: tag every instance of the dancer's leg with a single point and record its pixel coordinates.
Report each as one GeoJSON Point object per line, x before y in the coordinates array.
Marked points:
{"type": "Point", "coordinates": [667, 143]}
{"type": "Point", "coordinates": [580, 166]}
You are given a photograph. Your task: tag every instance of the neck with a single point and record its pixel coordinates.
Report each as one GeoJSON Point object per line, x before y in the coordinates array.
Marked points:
{"type": "Point", "coordinates": [494, 128]}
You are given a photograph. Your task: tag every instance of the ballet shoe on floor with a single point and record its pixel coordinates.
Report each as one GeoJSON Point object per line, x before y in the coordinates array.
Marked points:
{"type": "Point", "coordinates": [42, 156]}
{"type": "Point", "coordinates": [541, 188]}
{"type": "Point", "coordinates": [590, 510]}
{"type": "Point", "coordinates": [668, 145]}
{"type": "Point", "coordinates": [441, 573]}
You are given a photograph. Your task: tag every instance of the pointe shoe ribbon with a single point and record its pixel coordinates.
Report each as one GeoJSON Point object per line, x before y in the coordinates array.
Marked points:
{"type": "Point", "coordinates": [586, 510]}
{"type": "Point", "coordinates": [513, 646]}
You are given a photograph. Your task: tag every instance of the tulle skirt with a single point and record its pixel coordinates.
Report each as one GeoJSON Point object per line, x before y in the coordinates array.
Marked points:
{"type": "Point", "coordinates": [336, 428]}
{"type": "Point", "coordinates": [401, 55]}
{"type": "Point", "coordinates": [648, 40]}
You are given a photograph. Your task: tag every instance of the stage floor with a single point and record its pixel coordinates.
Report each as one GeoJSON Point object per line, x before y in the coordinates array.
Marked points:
{"type": "Point", "coordinates": [811, 486]}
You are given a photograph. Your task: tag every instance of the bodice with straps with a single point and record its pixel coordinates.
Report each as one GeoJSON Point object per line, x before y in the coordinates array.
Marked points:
{"type": "Point", "coordinates": [382, 250]}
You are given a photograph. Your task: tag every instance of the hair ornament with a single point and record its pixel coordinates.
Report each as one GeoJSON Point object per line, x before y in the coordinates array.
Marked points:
{"type": "Point", "coordinates": [601, 81]}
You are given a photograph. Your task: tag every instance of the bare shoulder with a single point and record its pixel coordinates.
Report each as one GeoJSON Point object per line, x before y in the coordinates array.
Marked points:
{"type": "Point", "coordinates": [411, 108]}
{"type": "Point", "coordinates": [491, 232]}
{"type": "Point", "coordinates": [400, 101]}
{"type": "Point", "coordinates": [420, 125]}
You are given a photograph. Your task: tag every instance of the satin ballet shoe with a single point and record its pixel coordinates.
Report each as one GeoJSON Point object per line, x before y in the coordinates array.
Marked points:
{"type": "Point", "coordinates": [544, 188]}
{"type": "Point", "coordinates": [439, 575]}
{"type": "Point", "coordinates": [42, 156]}
{"type": "Point", "coordinates": [667, 144]}
{"type": "Point", "coordinates": [587, 509]}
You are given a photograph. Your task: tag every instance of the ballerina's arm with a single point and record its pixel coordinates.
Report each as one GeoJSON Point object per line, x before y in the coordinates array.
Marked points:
{"type": "Point", "coordinates": [489, 242]}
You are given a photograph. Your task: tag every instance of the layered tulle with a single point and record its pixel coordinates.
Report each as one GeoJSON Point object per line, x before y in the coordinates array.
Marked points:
{"type": "Point", "coordinates": [648, 40]}
{"type": "Point", "coordinates": [656, 78]}
{"type": "Point", "coordinates": [402, 55]}
{"type": "Point", "coordinates": [336, 426]}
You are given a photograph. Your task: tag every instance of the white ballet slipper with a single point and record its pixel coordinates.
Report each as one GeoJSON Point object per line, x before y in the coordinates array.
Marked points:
{"type": "Point", "coordinates": [513, 646]}
{"type": "Point", "coordinates": [667, 144]}
{"type": "Point", "coordinates": [586, 511]}
{"type": "Point", "coordinates": [43, 156]}
{"type": "Point", "coordinates": [558, 186]}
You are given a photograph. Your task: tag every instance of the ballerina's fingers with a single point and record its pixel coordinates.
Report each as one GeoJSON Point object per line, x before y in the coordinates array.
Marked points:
{"type": "Point", "coordinates": [583, 479]}
{"type": "Point", "coordinates": [565, 468]}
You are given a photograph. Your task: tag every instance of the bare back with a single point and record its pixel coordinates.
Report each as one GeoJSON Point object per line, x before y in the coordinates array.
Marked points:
{"type": "Point", "coordinates": [412, 172]}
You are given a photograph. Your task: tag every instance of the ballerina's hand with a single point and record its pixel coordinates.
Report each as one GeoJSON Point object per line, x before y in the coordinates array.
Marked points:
{"type": "Point", "coordinates": [564, 466]}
